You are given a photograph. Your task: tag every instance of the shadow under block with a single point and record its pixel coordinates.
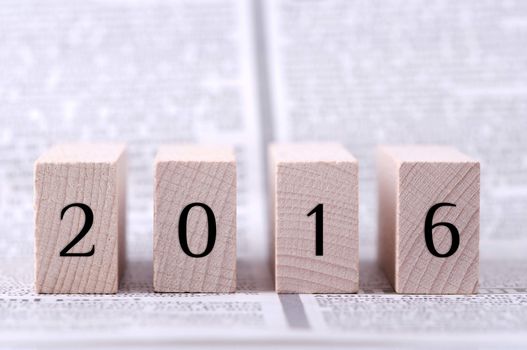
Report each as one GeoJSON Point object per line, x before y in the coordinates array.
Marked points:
{"type": "Point", "coordinates": [80, 202]}
{"type": "Point", "coordinates": [310, 183]}
{"type": "Point", "coordinates": [423, 190]}
{"type": "Point", "coordinates": [184, 177]}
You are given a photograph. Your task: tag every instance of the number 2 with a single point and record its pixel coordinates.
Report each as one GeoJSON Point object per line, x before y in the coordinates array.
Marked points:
{"type": "Point", "coordinates": [88, 222]}
{"type": "Point", "coordinates": [319, 228]}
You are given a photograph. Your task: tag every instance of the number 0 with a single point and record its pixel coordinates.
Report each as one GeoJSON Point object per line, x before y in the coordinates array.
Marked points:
{"type": "Point", "coordinates": [429, 228]}
{"type": "Point", "coordinates": [211, 240]}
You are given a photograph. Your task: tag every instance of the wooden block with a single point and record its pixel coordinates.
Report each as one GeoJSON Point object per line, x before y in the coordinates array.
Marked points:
{"type": "Point", "coordinates": [315, 218]}
{"type": "Point", "coordinates": [429, 219]}
{"type": "Point", "coordinates": [80, 202]}
{"type": "Point", "coordinates": [195, 219]}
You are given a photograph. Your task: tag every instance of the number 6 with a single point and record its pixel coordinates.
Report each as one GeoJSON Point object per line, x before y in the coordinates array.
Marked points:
{"type": "Point", "coordinates": [429, 228]}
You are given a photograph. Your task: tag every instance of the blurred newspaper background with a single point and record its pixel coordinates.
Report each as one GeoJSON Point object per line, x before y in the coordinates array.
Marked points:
{"type": "Point", "coordinates": [248, 73]}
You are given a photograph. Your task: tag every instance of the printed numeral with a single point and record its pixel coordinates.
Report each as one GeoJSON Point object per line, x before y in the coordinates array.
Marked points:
{"type": "Point", "coordinates": [88, 222]}
{"type": "Point", "coordinates": [211, 239]}
{"type": "Point", "coordinates": [429, 227]}
{"type": "Point", "coordinates": [319, 228]}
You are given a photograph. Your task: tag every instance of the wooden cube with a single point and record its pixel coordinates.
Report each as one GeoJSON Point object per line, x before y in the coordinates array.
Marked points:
{"type": "Point", "coordinates": [195, 219]}
{"type": "Point", "coordinates": [429, 219]}
{"type": "Point", "coordinates": [80, 202]}
{"type": "Point", "coordinates": [314, 190]}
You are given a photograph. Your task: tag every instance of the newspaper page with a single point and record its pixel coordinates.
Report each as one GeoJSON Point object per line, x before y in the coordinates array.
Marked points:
{"type": "Point", "coordinates": [145, 73]}
{"type": "Point", "coordinates": [113, 70]}
{"type": "Point", "coordinates": [366, 73]}
{"type": "Point", "coordinates": [369, 73]}
{"type": "Point", "coordinates": [141, 72]}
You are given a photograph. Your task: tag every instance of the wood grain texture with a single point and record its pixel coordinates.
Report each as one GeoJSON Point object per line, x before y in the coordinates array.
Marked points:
{"type": "Point", "coordinates": [411, 180]}
{"type": "Point", "coordinates": [303, 176]}
{"type": "Point", "coordinates": [95, 175]}
{"type": "Point", "coordinates": [188, 174]}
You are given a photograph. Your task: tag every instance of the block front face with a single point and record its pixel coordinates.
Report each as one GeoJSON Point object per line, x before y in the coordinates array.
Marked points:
{"type": "Point", "coordinates": [433, 189]}
{"type": "Point", "coordinates": [310, 193]}
{"type": "Point", "coordinates": [429, 219]}
{"type": "Point", "coordinates": [199, 184]}
{"type": "Point", "coordinates": [79, 219]}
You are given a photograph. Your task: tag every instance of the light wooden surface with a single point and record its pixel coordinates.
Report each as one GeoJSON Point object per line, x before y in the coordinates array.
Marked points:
{"type": "Point", "coordinates": [188, 174]}
{"type": "Point", "coordinates": [94, 175]}
{"type": "Point", "coordinates": [412, 179]}
{"type": "Point", "coordinates": [303, 176]}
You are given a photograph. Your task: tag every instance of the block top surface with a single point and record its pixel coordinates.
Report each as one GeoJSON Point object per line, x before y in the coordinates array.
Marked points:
{"type": "Point", "coordinates": [310, 152]}
{"type": "Point", "coordinates": [83, 153]}
{"type": "Point", "coordinates": [426, 154]}
{"type": "Point", "coordinates": [195, 153]}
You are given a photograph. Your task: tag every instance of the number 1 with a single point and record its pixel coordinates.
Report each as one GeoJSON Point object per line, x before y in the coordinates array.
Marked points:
{"type": "Point", "coordinates": [319, 228]}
